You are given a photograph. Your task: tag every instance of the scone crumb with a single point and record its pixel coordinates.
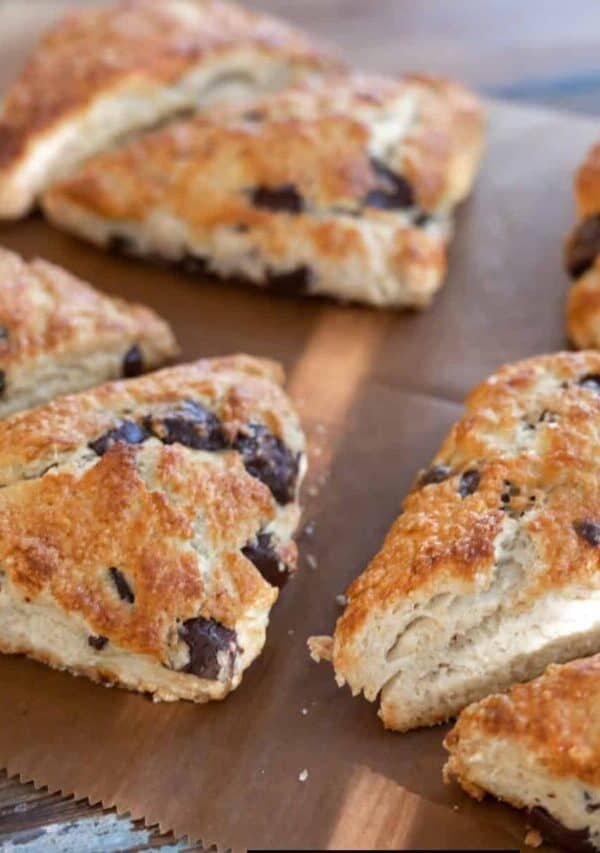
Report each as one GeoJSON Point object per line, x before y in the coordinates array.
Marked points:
{"type": "Point", "coordinates": [303, 775]}
{"type": "Point", "coordinates": [341, 600]}
{"type": "Point", "coordinates": [304, 711]}
{"type": "Point", "coordinates": [312, 561]}
{"type": "Point", "coordinates": [320, 648]}
{"type": "Point", "coordinates": [533, 838]}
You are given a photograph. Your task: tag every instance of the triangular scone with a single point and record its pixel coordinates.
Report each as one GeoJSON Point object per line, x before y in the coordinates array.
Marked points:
{"type": "Point", "coordinates": [342, 186]}
{"type": "Point", "coordinates": [146, 525]}
{"type": "Point", "coordinates": [106, 70]}
{"type": "Point", "coordinates": [538, 748]}
{"type": "Point", "coordinates": [492, 570]}
{"type": "Point", "coordinates": [58, 335]}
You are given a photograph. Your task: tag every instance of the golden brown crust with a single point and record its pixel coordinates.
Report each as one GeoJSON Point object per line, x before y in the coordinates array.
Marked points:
{"type": "Point", "coordinates": [95, 50]}
{"type": "Point", "coordinates": [529, 434]}
{"type": "Point", "coordinates": [173, 520]}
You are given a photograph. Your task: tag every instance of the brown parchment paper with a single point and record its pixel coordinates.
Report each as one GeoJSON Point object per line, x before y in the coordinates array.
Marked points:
{"type": "Point", "coordinates": [376, 392]}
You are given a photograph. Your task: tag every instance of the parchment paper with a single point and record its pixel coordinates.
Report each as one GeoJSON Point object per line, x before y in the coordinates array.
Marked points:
{"type": "Point", "coordinates": [376, 391]}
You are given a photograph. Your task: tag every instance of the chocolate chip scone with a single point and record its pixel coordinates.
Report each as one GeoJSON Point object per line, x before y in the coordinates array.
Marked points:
{"type": "Point", "coordinates": [104, 71]}
{"type": "Point", "coordinates": [582, 257]}
{"type": "Point", "coordinates": [492, 571]}
{"type": "Point", "coordinates": [538, 748]}
{"type": "Point", "coordinates": [146, 525]}
{"type": "Point", "coordinates": [342, 186]}
{"type": "Point", "coordinates": [58, 335]}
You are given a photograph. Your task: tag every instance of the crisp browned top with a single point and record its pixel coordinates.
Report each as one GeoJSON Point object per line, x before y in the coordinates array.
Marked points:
{"type": "Point", "coordinates": [321, 138]}
{"type": "Point", "coordinates": [46, 312]}
{"type": "Point", "coordinates": [92, 50]}
{"type": "Point", "coordinates": [555, 717]}
{"type": "Point", "coordinates": [527, 448]}
{"type": "Point", "coordinates": [171, 519]}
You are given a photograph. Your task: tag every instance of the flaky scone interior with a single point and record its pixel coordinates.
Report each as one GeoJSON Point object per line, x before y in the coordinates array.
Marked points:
{"type": "Point", "coordinates": [58, 335]}
{"type": "Point", "coordinates": [538, 748]}
{"type": "Point", "coordinates": [342, 186]}
{"type": "Point", "coordinates": [492, 570]}
{"type": "Point", "coordinates": [146, 526]}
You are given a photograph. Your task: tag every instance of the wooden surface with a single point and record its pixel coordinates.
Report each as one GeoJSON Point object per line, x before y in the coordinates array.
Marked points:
{"type": "Point", "coordinates": [540, 51]}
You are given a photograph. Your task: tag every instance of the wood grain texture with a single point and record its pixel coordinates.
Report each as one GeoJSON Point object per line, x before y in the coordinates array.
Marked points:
{"type": "Point", "coordinates": [542, 51]}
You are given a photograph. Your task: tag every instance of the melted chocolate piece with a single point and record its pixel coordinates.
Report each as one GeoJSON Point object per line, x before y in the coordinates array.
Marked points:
{"type": "Point", "coordinates": [2, 383]}
{"type": "Point", "coordinates": [584, 246]}
{"type": "Point", "coordinates": [436, 474]}
{"type": "Point", "coordinates": [468, 483]}
{"type": "Point", "coordinates": [268, 459]}
{"type": "Point", "coordinates": [266, 559]}
{"type": "Point", "coordinates": [133, 362]}
{"type": "Point", "coordinates": [296, 282]}
{"type": "Point", "coordinates": [588, 530]}
{"type": "Point", "coordinates": [591, 382]}
{"type": "Point", "coordinates": [97, 643]}
{"type": "Point", "coordinates": [283, 199]}
{"type": "Point", "coordinates": [575, 840]}
{"type": "Point", "coordinates": [392, 191]}
{"type": "Point", "coordinates": [128, 432]}
{"type": "Point", "coordinates": [120, 244]}
{"type": "Point", "coordinates": [188, 423]}
{"type": "Point", "coordinates": [212, 646]}
{"type": "Point", "coordinates": [123, 588]}
{"type": "Point", "coordinates": [194, 265]}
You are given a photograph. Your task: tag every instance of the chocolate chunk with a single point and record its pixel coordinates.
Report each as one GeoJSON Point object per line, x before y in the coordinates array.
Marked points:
{"type": "Point", "coordinates": [284, 199]}
{"type": "Point", "coordinates": [575, 840]}
{"type": "Point", "coordinates": [391, 192]}
{"type": "Point", "coordinates": [194, 264]}
{"type": "Point", "coordinates": [212, 646]}
{"type": "Point", "coordinates": [120, 244]}
{"type": "Point", "coordinates": [436, 474]}
{"type": "Point", "coordinates": [97, 643]}
{"type": "Point", "coordinates": [2, 383]}
{"type": "Point", "coordinates": [253, 116]}
{"type": "Point", "coordinates": [268, 459]}
{"type": "Point", "coordinates": [588, 530]}
{"type": "Point", "coordinates": [583, 247]}
{"type": "Point", "coordinates": [266, 559]}
{"type": "Point", "coordinates": [590, 805]}
{"type": "Point", "coordinates": [295, 282]}
{"type": "Point", "coordinates": [591, 382]}
{"type": "Point", "coordinates": [123, 588]}
{"type": "Point", "coordinates": [3, 334]}
{"type": "Point", "coordinates": [128, 432]}
{"type": "Point", "coordinates": [133, 362]}
{"type": "Point", "coordinates": [422, 219]}
{"type": "Point", "coordinates": [469, 482]}
{"type": "Point", "coordinates": [188, 423]}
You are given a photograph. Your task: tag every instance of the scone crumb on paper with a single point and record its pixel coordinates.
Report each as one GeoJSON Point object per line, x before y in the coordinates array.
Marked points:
{"type": "Point", "coordinates": [341, 600]}
{"type": "Point", "coordinates": [312, 561]}
{"type": "Point", "coordinates": [533, 838]}
{"type": "Point", "coordinates": [320, 648]}
{"type": "Point", "coordinates": [303, 775]}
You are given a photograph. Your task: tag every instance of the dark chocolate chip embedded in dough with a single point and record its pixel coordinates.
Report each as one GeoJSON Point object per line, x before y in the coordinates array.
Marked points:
{"type": "Point", "coordinates": [120, 244]}
{"type": "Point", "coordinates": [212, 646]}
{"type": "Point", "coordinates": [591, 382]}
{"type": "Point", "coordinates": [125, 591]}
{"type": "Point", "coordinates": [4, 334]}
{"type": "Point", "coordinates": [2, 383]}
{"type": "Point", "coordinates": [194, 264]}
{"type": "Point", "coordinates": [97, 643]}
{"type": "Point", "coordinates": [469, 482]}
{"type": "Point", "coordinates": [391, 191]}
{"type": "Point", "coordinates": [268, 459]}
{"type": "Point", "coordinates": [188, 423]}
{"type": "Point", "coordinates": [261, 552]}
{"type": "Point", "coordinates": [435, 474]}
{"type": "Point", "coordinates": [282, 199]}
{"type": "Point", "coordinates": [294, 282]}
{"type": "Point", "coordinates": [574, 840]}
{"type": "Point", "coordinates": [588, 530]}
{"type": "Point", "coordinates": [128, 432]}
{"type": "Point", "coordinates": [583, 247]}
{"type": "Point", "coordinates": [133, 362]}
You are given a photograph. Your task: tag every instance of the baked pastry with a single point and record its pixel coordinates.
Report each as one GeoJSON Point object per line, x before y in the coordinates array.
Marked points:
{"type": "Point", "coordinates": [58, 335]}
{"type": "Point", "coordinates": [538, 748]}
{"type": "Point", "coordinates": [104, 71]}
{"type": "Point", "coordinates": [342, 186]}
{"type": "Point", "coordinates": [146, 525]}
{"type": "Point", "coordinates": [492, 570]}
{"type": "Point", "coordinates": [582, 256]}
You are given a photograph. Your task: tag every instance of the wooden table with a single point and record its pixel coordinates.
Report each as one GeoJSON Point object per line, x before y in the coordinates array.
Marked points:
{"type": "Point", "coordinates": [543, 52]}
